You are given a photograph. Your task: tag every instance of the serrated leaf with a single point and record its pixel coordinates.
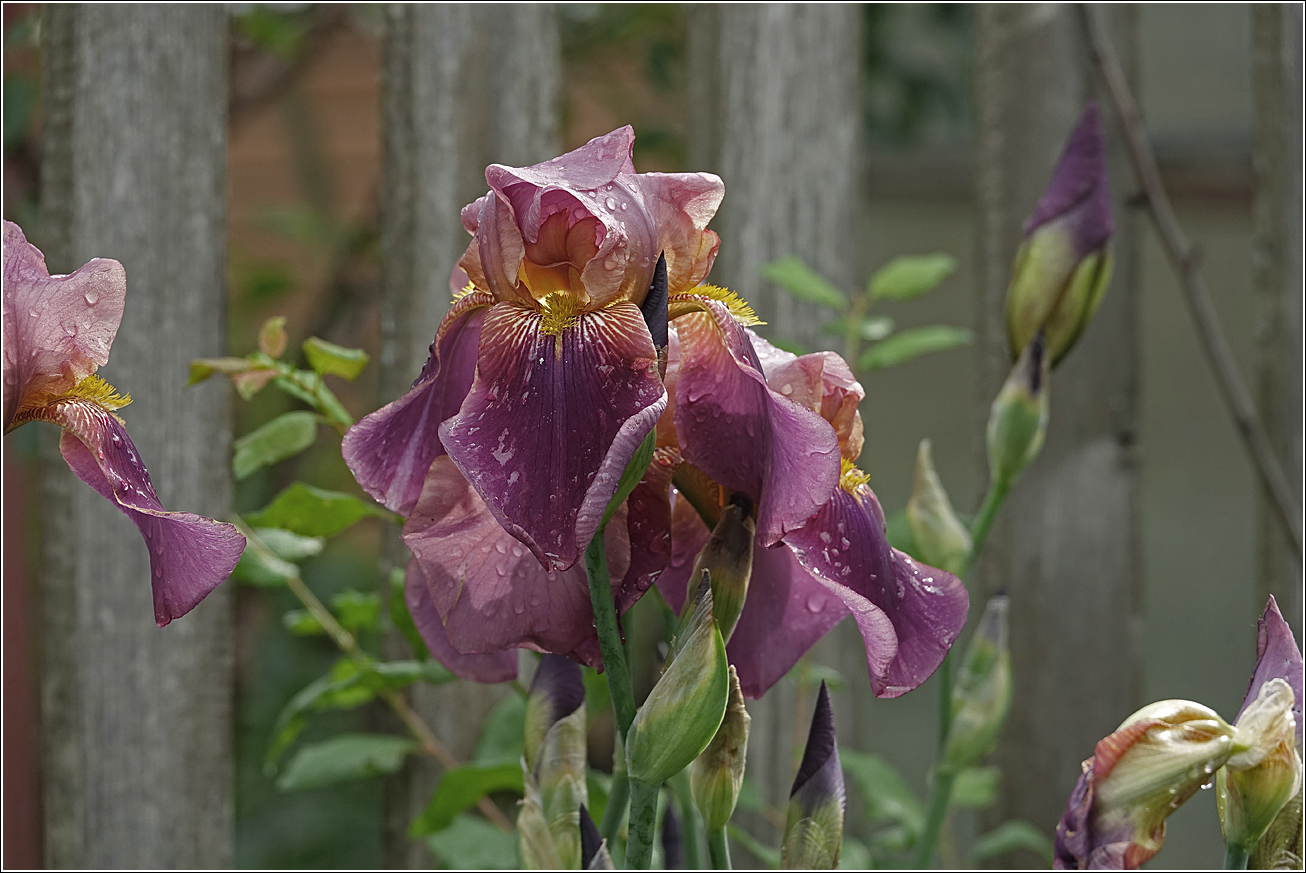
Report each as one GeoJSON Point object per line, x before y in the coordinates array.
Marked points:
{"type": "Point", "coordinates": [976, 787]}
{"type": "Point", "coordinates": [1008, 837]}
{"type": "Point", "coordinates": [804, 283]}
{"type": "Point", "coordinates": [357, 611]}
{"type": "Point", "coordinates": [471, 843]}
{"type": "Point", "coordinates": [280, 438]}
{"type": "Point", "coordinates": [272, 336]}
{"type": "Point", "coordinates": [502, 732]}
{"type": "Point", "coordinates": [902, 347]}
{"type": "Point", "coordinates": [910, 276]}
{"type": "Point", "coordinates": [302, 623]}
{"type": "Point", "coordinates": [314, 512]}
{"type": "Point", "coordinates": [402, 619]}
{"type": "Point", "coordinates": [344, 758]}
{"type": "Point", "coordinates": [461, 788]}
{"type": "Point", "coordinates": [330, 359]}
{"type": "Point", "coordinates": [887, 795]}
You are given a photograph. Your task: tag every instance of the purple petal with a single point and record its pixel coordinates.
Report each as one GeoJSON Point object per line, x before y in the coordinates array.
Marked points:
{"type": "Point", "coordinates": [820, 778]}
{"type": "Point", "coordinates": [189, 554]}
{"type": "Point", "coordinates": [909, 614]}
{"type": "Point", "coordinates": [487, 667]}
{"type": "Point", "coordinates": [390, 450]}
{"type": "Point", "coordinates": [1079, 190]}
{"type": "Point", "coordinates": [822, 382]}
{"type": "Point", "coordinates": [681, 205]}
{"type": "Point", "coordinates": [744, 435]}
{"type": "Point", "coordinates": [785, 613]}
{"type": "Point", "coordinates": [1277, 657]}
{"type": "Point", "coordinates": [57, 329]}
{"type": "Point", "coordinates": [552, 420]}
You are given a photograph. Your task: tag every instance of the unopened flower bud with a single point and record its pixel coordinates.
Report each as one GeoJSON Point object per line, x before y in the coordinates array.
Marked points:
{"type": "Point", "coordinates": [553, 765]}
{"type": "Point", "coordinates": [683, 711]}
{"type": "Point", "coordinates": [814, 823]}
{"type": "Point", "coordinates": [1063, 265]}
{"type": "Point", "coordinates": [1281, 846]}
{"type": "Point", "coordinates": [981, 696]}
{"type": "Point", "coordinates": [594, 853]}
{"type": "Point", "coordinates": [1019, 418]}
{"type": "Point", "coordinates": [1264, 772]}
{"type": "Point", "coordinates": [717, 775]}
{"type": "Point", "coordinates": [942, 540]}
{"type": "Point", "coordinates": [728, 560]}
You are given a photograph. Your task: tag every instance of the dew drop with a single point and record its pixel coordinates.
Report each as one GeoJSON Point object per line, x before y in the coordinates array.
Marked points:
{"type": "Point", "coordinates": [92, 297]}
{"type": "Point", "coordinates": [611, 203]}
{"type": "Point", "coordinates": [825, 537]}
{"type": "Point", "coordinates": [814, 604]}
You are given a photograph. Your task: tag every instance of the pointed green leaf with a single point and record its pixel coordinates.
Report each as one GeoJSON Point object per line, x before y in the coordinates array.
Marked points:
{"type": "Point", "coordinates": [344, 758]}
{"type": "Point", "coordinates": [264, 570]}
{"type": "Point", "coordinates": [804, 283]}
{"type": "Point", "coordinates": [280, 438]}
{"type": "Point", "coordinates": [357, 611]}
{"type": "Point", "coordinates": [630, 477]}
{"type": "Point", "coordinates": [910, 276]}
{"type": "Point", "coordinates": [330, 359]}
{"type": "Point", "coordinates": [501, 734]}
{"type": "Point", "coordinates": [461, 788]}
{"type": "Point", "coordinates": [869, 327]}
{"type": "Point", "coordinates": [976, 787]}
{"type": "Point", "coordinates": [203, 368]}
{"type": "Point", "coordinates": [314, 512]}
{"type": "Point", "coordinates": [887, 796]}
{"type": "Point", "coordinates": [902, 347]}
{"type": "Point", "coordinates": [1008, 837]}
{"type": "Point", "coordinates": [472, 843]}
{"type": "Point", "coordinates": [272, 336]}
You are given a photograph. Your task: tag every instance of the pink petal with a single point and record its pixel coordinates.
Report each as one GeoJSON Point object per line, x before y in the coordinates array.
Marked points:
{"type": "Point", "coordinates": [744, 435]}
{"type": "Point", "coordinates": [823, 383]}
{"type": "Point", "coordinates": [1277, 657]}
{"type": "Point", "coordinates": [681, 205]}
{"type": "Point", "coordinates": [189, 554]}
{"type": "Point", "coordinates": [390, 450]}
{"type": "Point", "coordinates": [57, 329]}
{"type": "Point", "coordinates": [488, 667]}
{"type": "Point", "coordinates": [551, 422]}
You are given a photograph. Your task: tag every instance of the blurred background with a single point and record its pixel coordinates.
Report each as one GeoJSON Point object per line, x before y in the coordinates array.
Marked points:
{"type": "Point", "coordinates": [305, 192]}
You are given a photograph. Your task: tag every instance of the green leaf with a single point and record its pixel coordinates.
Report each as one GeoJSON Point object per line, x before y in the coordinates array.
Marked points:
{"type": "Point", "coordinates": [902, 347]}
{"type": "Point", "coordinates": [502, 732]}
{"type": "Point", "coordinates": [854, 855]}
{"type": "Point", "coordinates": [870, 327]}
{"type": "Point", "coordinates": [272, 336]}
{"type": "Point", "coordinates": [402, 619]}
{"type": "Point", "coordinates": [314, 512]}
{"type": "Point", "coordinates": [461, 788]}
{"type": "Point", "coordinates": [203, 368]}
{"type": "Point", "coordinates": [289, 546]}
{"type": "Point", "coordinates": [804, 283]}
{"type": "Point", "coordinates": [768, 856]}
{"type": "Point", "coordinates": [471, 843]}
{"type": "Point", "coordinates": [302, 623]}
{"type": "Point", "coordinates": [976, 787]}
{"type": "Point", "coordinates": [330, 359]}
{"type": "Point", "coordinates": [283, 436]}
{"type": "Point", "coordinates": [357, 611]}
{"type": "Point", "coordinates": [271, 571]}
{"type": "Point", "coordinates": [910, 276]}
{"type": "Point", "coordinates": [630, 477]}
{"type": "Point", "coordinates": [344, 758]}
{"type": "Point", "coordinates": [1008, 837]}
{"type": "Point", "coordinates": [887, 796]}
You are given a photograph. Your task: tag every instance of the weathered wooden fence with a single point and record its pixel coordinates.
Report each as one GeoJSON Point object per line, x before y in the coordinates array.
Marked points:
{"type": "Point", "coordinates": [138, 722]}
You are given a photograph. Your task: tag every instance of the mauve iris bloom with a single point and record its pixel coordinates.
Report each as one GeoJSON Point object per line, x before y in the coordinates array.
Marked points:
{"type": "Point", "coordinates": [57, 332]}
{"type": "Point", "coordinates": [785, 431]}
{"type": "Point", "coordinates": [543, 380]}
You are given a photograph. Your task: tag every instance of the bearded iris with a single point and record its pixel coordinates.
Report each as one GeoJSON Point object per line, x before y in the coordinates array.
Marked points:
{"type": "Point", "coordinates": [57, 332]}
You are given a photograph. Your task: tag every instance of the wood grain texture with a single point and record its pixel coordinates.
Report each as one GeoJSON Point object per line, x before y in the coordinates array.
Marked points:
{"type": "Point", "coordinates": [138, 720]}
{"type": "Point", "coordinates": [1277, 270]}
{"type": "Point", "coordinates": [1065, 547]}
{"type": "Point", "coordinates": [465, 86]}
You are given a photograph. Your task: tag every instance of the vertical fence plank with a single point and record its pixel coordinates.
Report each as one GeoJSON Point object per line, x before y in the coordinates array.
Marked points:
{"type": "Point", "coordinates": [775, 112]}
{"type": "Point", "coordinates": [138, 763]}
{"type": "Point", "coordinates": [1065, 546]}
{"type": "Point", "coordinates": [465, 86]}
{"type": "Point", "coordinates": [1277, 266]}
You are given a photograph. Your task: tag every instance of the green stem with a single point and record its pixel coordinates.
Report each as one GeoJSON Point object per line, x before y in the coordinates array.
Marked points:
{"type": "Point", "coordinates": [988, 511]}
{"type": "Point", "coordinates": [618, 796]}
{"type": "Point", "coordinates": [945, 701]}
{"type": "Point", "coordinates": [718, 848]}
{"type": "Point", "coordinates": [605, 623]}
{"type": "Point", "coordinates": [643, 822]}
{"type": "Point", "coordinates": [693, 858]}
{"type": "Point", "coordinates": [1235, 857]}
{"type": "Point", "coordinates": [940, 797]}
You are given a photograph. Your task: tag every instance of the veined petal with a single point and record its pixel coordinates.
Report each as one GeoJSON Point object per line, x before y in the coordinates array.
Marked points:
{"type": "Point", "coordinates": [682, 204]}
{"type": "Point", "coordinates": [822, 382]}
{"type": "Point", "coordinates": [906, 611]}
{"type": "Point", "coordinates": [189, 554]}
{"type": "Point", "coordinates": [553, 418]}
{"type": "Point", "coordinates": [744, 435]}
{"type": "Point", "coordinates": [487, 667]}
{"type": "Point", "coordinates": [57, 329]}
{"type": "Point", "coordinates": [390, 450]}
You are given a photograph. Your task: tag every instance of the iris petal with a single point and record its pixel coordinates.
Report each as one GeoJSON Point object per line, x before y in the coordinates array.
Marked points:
{"type": "Point", "coordinates": [487, 667]}
{"type": "Point", "coordinates": [552, 420]}
{"type": "Point", "coordinates": [189, 554]}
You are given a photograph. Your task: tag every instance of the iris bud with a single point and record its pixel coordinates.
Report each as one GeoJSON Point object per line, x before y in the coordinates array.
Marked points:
{"type": "Point", "coordinates": [553, 765]}
{"type": "Point", "coordinates": [942, 540]}
{"type": "Point", "coordinates": [981, 696]}
{"type": "Point", "coordinates": [1018, 420]}
{"type": "Point", "coordinates": [1257, 782]}
{"type": "Point", "coordinates": [728, 559]}
{"type": "Point", "coordinates": [717, 775]}
{"type": "Point", "coordinates": [814, 823]}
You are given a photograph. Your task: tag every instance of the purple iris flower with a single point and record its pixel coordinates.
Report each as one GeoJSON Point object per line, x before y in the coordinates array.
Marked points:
{"type": "Point", "coordinates": [57, 333]}
{"type": "Point", "coordinates": [785, 431]}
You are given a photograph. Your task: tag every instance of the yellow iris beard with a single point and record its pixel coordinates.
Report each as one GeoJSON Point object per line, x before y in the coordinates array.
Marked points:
{"type": "Point", "coordinates": [688, 301]}
{"type": "Point", "coordinates": [98, 391]}
{"type": "Point", "coordinates": [851, 478]}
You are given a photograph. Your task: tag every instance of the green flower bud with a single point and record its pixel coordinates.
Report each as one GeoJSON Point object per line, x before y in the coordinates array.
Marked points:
{"type": "Point", "coordinates": [727, 558]}
{"type": "Point", "coordinates": [685, 707]}
{"type": "Point", "coordinates": [942, 540]}
{"type": "Point", "coordinates": [981, 696]}
{"type": "Point", "coordinates": [814, 823]}
{"type": "Point", "coordinates": [1264, 772]}
{"type": "Point", "coordinates": [1019, 418]}
{"type": "Point", "coordinates": [1281, 847]}
{"type": "Point", "coordinates": [717, 774]}
{"type": "Point", "coordinates": [553, 766]}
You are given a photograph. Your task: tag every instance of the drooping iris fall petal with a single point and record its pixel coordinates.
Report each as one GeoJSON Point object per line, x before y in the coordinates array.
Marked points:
{"type": "Point", "coordinates": [485, 667]}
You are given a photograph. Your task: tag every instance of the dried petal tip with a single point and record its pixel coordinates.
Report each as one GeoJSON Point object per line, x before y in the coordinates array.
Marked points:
{"type": "Point", "coordinates": [814, 825]}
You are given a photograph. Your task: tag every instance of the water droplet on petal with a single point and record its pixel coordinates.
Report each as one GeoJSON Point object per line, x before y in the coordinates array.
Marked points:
{"type": "Point", "coordinates": [815, 604]}
{"type": "Point", "coordinates": [92, 297]}
{"type": "Point", "coordinates": [611, 203]}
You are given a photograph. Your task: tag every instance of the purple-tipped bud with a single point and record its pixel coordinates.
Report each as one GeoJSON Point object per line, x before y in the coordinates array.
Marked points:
{"type": "Point", "coordinates": [1063, 265]}
{"type": "Point", "coordinates": [814, 825]}
{"type": "Point", "coordinates": [593, 848]}
{"type": "Point", "coordinates": [556, 692]}
{"type": "Point", "coordinates": [672, 851]}
{"type": "Point", "coordinates": [553, 766]}
{"type": "Point", "coordinates": [1277, 657]}
{"type": "Point", "coordinates": [1256, 783]}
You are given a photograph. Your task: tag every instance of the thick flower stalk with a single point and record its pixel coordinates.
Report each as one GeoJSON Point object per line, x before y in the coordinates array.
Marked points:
{"type": "Point", "coordinates": [57, 333]}
{"type": "Point", "coordinates": [543, 381]}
